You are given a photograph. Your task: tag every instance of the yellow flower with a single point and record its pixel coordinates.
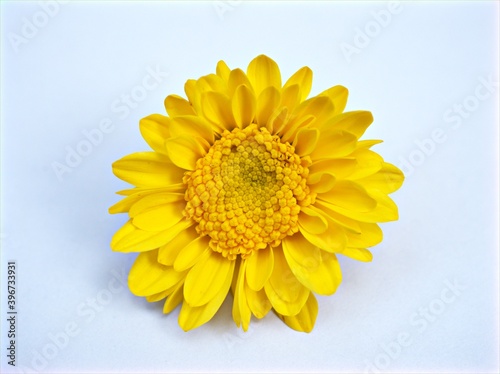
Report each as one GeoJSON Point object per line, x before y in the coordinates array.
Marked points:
{"type": "Point", "coordinates": [251, 187]}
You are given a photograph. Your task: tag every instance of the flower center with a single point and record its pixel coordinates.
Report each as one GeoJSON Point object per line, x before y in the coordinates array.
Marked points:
{"type": "Point", "coordinates": [246, 192]}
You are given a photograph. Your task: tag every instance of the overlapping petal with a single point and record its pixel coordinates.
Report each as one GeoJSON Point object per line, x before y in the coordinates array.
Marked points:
{"type": "Point", "coordinates": [304, 320]}
{"type": "Point", "coordinates": [259, 267]}
{"type": "Point", "coordinates": [178, 106]}
{"type": "Point", "coordinates": [148, 277]}
{"type": "Point", "coordinates": [257, 301]}
{"type": "Point", "coordinates": [386, 180]}
{"type": "Point", "coordinates": [206, 278]}
{"type": "Point", "coordinates": [267, 104]}
{"type": "Point", "coordinates": [338, 96]}
{"type": "Point", "coordinates": [174, 298]}
{"type": "Point", "coordinates": [302, 78]}
{"type": "Point", "coordinates": [191, 125]}
{"type": "Point", "coordinates": [148, 169]}
{"type": "Point", "coordinates": [316, 269]}
{"type": "Point", "coordinates": [243, 105]}
{"type": "Point", "coordinates": [155, 130]}
{"type": "Point", "coordinates": [168, 252]}
{"type": "Point", "coordinates": [241, 310]}
{"type": "Point", "coordinates": [185, 150]}
{"type": "Point", "coordinates": [136, 194]}
{"type": "Point", "coordinates": [262, 73]}
{"type": "Point", "coordinates": [130, 238]}
{"type": "Point", "coordinates": [191, 317]}
{"type": "Point", "coordinates": [286, 294]}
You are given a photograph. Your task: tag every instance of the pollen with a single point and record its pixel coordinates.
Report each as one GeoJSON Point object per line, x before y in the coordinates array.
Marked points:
{"type": "Point", "coordinates": [247, 191]}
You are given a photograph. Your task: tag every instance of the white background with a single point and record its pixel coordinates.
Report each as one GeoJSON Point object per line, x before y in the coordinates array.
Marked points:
{"type": "Point", "coordinates": [68, 75]}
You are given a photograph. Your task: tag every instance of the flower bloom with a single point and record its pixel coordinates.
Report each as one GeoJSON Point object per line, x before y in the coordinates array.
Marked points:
{"type": "Point", "coordinates": [251, 187]}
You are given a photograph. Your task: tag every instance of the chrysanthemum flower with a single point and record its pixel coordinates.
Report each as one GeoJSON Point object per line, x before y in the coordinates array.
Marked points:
{"type": "Point", "coordinates": [251, 187]}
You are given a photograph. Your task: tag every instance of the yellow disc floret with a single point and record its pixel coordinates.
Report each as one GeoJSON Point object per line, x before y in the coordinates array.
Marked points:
{"type": "Point", "coordinates": [246, 192]}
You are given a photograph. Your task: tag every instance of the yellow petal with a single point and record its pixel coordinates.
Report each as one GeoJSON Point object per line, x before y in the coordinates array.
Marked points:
{"type": "Point", "coordinates": [290, 97]}
{"type": "Point", "coordinates": [243, 106]}
{"type": "Point", "coordinates": [191, 317]}
{"type": "Point", "coordinates": [331, 240]}
{"type": "Point", "coordinates": [160, 217]}
{"type": "Point", "coordinates": [370, 235]}
{"type": "Point", "coordinates": [312, 221]}
{"type": "Point", "coordinates": [212, 82]}
{"type": "Point", "coordinates": [147, 169]}
{"type": "Point", "coordinates": [185, 150]}
{"type": "Point", "coordinates": [152, 201]}
{"type": "Point", "coordinates": [148, 277]}
{"type": "Point", "coordinates": [179, 187]}
{"type": "Point", "coordinates": [241, 311]}
{"type": "Point", "coordinates": [178, 106]}
{"type": "Point", "coordinates": [388, 179]}
{"type": "Point", "coordinates": [161, 295]}
{"type": "Point", "coordinates": [192, 253]}
{"type": "Point", "coordinates": [217, 109]}
{"type": "Point", "coordinates": [348, 195]}
{"type": "Point", "coordinates": [206, 278]}
{"type": "Point", "coordinates": [367, 163]}
{"type": "Point", "coordinates": [168, 252]}
{"type": "Point", "coordinates": [303, 321]}
{"type": "Point", "coordinates": [339, 167]}
{"type": "Point", "coordinates": [155, 130]}
{"type": "Point", "coordinates": [262, 73]}
{"type": "Point", "coordinates": [222, 70]}
{"type": "Point", "coordinates": [267, 104]}
{"type": "Point", "coordinates": [125, 204]}
{"type": "Point", "coordinates": [347, 223]}
{"type": "Point", "coordinates": [237, 77]}
{"type": "Point", "coordinates": [257, 301]}
{"type": "Point", "coordinates": [321, 183]}
{"type": "Point", "coordinates": [338, 96]}
{"type": "Point", "coordinates": [359, 254]}
{"type": "Point", "coordinates": [278, 120]}
{"type": "Point", "coordinates": [130, 191]}
{"type": "Point", "coordinates": [385, 211]}
{"type": "Point", "coordinates": [193, 94]}
{"type": "Point", "coordinates": [303, 79]}
{"type": "Point", "coordinates": [235, 278]}
{"type": "Point", "coordinates": [354, 122]}
{"type": "Point", "coordinates": [192, 126]}
{"type": "Point", "coordinates": [321, 107]}
{"type": "Point", "coordinates": [334, 144]}
{"type": "Point", "coordinates": [259, 267]}
{"type": "Point", "coordinates": [316, 269]}
{"type": "Point", "coordinates": [305, 141]}
{"type": "Point", "coordinates": [174, 299]}
{"type": "Point", "coordinates": [367, 144]}
{"type": "Point", "coordinates": [286, 294]}
{"type": "Point", "coordinates": [318, 108]}
{"type": "Point", "coordinates": [289, 131]}
{"type": "Point", "coordinates": [129, 238]}
{"type": "Point", "coordinates": [158, 296]}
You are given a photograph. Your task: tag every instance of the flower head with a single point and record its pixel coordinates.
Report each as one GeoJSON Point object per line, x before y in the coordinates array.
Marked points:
{"type": "Point", "coordinates": [251, 187]}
